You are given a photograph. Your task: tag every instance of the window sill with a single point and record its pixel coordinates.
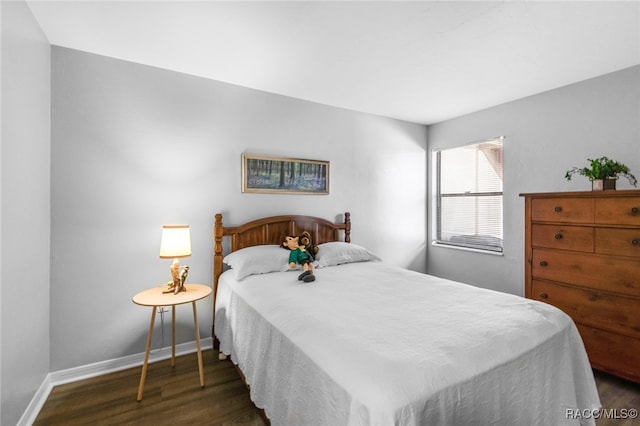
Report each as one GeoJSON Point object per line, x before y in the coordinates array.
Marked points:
{"type": "Point", "coordinates": [449, 246]}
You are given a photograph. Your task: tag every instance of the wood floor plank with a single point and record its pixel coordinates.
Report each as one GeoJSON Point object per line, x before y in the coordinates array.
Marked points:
{"type": "Point", "coordinates": [174, 396]}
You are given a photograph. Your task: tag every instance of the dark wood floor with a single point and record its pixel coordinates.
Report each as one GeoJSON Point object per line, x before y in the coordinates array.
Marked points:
{"type": "Point", "coordinates": [616, 395]}
{"type": "Point", "coordinates": [171, 396]}
{"type": "Point", "coordinates": [174, 396]}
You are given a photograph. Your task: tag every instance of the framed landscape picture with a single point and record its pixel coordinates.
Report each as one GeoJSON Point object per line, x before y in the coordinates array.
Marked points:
{"type": "Point", "coordinates": [280, 175]}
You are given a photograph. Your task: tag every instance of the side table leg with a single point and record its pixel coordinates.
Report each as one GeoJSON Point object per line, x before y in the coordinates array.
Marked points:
{"type": "Point", "coordinates": [173, 335]}
{"type": "Point", "coordinates": [195, 324]}
{"type": "Point", "coordinates": [146, 354]}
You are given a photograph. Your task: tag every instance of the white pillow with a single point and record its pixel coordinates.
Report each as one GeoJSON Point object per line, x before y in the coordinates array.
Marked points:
{"type": "Point", "coordinates": [257, 260]}
{"type": "Point", "coordinates": [337, 253]}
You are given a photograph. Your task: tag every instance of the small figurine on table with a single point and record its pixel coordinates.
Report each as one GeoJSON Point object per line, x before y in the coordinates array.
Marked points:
{"type": "Point", "coordinates": [183, 279]}
{"type": "Point", "coordinates": [177, 285]}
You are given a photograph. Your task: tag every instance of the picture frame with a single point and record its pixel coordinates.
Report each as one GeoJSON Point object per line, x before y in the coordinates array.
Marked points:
{"type": "Point", "coordinates": [282, 175]}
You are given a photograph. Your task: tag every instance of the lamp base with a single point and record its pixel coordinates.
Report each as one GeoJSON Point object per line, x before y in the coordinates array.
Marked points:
{"type": "Point", "coordinates": [176, 285]}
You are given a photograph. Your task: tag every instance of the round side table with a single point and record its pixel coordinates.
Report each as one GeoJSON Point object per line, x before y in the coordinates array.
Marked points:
{"type": "Point", "coordinates": [155, 298]}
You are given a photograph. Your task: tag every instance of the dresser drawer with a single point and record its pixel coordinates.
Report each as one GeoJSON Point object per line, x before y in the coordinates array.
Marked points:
{"type": "Point", "coordinates": [579, 238]}
{"type": "Point", "coordinates": [614, 274]}
{"type": "Point", "coordinates": [618, 211]}
{"type": "Point", "coordinates": [596, 308]}
{"type": "Point", "coordinates": [573, 210]}
{"type": "Point", "coordinates": [612, 352]}
{"type": "Point", "coordinates": [622, 242]}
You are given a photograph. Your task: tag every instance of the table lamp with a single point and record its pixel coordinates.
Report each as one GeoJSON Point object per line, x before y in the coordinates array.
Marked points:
{"type": "Point", "coordinates": [176, 243]}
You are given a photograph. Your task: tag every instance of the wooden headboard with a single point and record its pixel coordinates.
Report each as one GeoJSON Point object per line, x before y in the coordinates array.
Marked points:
{"type": "Point", "coordinates": [272, 230]}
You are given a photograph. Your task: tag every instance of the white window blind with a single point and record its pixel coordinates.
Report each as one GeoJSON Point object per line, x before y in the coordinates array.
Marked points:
{"type": "Point", "coordinates": [469, 196]}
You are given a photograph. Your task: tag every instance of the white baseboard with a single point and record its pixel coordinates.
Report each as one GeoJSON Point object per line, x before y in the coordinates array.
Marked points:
{"type": "Point", "coordinates": [38, 400]}
{"type": "Point", "coordinates": [97, 369]}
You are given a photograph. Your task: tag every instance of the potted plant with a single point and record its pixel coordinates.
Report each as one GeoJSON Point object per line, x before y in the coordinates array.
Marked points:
{"type": "Point", "coordinates": [603, 173]}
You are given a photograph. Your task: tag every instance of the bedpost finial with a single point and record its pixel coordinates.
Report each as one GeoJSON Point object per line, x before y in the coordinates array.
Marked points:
{"type": "Point", "coordinates": [217, 234]}
{"type": "Point", "coordinates": [347, 227]}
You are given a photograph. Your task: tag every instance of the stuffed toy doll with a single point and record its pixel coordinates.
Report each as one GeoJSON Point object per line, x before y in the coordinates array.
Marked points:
{"type": "Point", "coordinates": [304, 239]}
{"type": "Point", "coordinates": [300, 255]}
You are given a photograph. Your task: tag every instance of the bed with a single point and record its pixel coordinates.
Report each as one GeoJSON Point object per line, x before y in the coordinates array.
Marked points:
{"type": "Point", "coordinates": [372, 344]}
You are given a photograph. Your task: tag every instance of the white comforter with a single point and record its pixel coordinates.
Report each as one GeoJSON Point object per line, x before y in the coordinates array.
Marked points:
{"type": "Point", "coordinates": [371, 344]}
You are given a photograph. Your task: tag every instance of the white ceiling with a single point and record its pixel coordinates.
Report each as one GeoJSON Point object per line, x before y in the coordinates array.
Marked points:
{"type": "Point", "coordinates": [420, 61]}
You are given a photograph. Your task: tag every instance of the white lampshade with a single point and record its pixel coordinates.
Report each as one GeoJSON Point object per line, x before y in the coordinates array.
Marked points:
{"type": "Point", "coordinates": [175, 242]}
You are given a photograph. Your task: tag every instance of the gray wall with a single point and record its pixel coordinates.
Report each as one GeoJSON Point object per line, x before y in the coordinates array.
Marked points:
{"type": "Point", "coordinates": [25, 210]}
{"type": "Point", "coordinates": [134, 147]}
{"type": "Point", "coordinates": [546, 135]}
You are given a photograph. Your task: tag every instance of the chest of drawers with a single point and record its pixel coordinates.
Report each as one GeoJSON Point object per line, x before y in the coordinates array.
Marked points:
{"type": "Point", "coordinates": [582, 255]}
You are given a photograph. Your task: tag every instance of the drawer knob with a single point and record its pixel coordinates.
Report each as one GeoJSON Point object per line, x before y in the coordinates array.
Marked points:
{"type": "Point", "coordinates": [635, 210]}
{"type": "Point", "coordinates": [635, 242]}
{"type": "Point", "coordinates": [557, 209]}
{"type": "Point", "coordinates": [543, 263]}
{"type": "Point", "coordinates": [558, 236]}
{"type": "Point", "coordinates": [544, 296]}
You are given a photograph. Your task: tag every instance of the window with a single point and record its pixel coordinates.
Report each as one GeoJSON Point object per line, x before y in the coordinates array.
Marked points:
{"type": "Point", "coordinates": [469, 196]}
